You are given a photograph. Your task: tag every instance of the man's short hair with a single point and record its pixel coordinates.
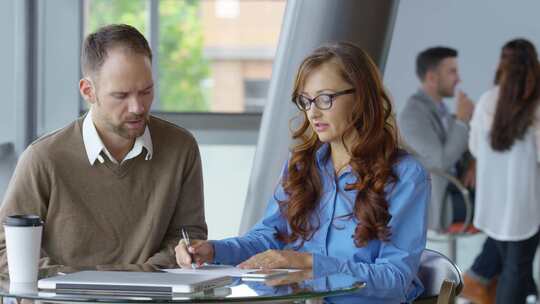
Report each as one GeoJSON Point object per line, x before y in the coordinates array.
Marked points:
{"type": "Point", "coordinates": [430, 58]}
{"type": "Point", "coordinates": [97, 44]}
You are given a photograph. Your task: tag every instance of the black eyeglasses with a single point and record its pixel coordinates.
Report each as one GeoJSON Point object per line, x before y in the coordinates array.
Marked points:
{"type": "Point", "coordinates": [322, 102]}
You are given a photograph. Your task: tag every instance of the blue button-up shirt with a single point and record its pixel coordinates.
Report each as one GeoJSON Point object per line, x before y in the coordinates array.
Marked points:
{"type": "Point", "coordinates": [389, 268]}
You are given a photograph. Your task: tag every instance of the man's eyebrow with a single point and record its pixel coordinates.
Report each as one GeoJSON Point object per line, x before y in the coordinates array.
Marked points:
{"type": "Point", "coordinates": [118, 92]}
{"type": "Point", "coordinates": [148, 87]}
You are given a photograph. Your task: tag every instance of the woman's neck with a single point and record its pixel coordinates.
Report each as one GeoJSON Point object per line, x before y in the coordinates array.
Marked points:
{"type": "Point", "coordinates": [340, 156]}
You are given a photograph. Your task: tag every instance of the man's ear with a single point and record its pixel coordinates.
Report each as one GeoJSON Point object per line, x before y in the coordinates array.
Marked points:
{"type": "Point", "coordinates": [87, 90]}
{"type": "Point", "coordinates": [431, 76]}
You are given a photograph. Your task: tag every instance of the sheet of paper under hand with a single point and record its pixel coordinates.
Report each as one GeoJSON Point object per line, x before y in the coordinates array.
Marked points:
{"type": "Point", "coordinates": [224, 270]}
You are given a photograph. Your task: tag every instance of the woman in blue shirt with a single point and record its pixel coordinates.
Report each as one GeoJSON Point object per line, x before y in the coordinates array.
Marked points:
{"type": "Point", "coordinates": [349, 200]}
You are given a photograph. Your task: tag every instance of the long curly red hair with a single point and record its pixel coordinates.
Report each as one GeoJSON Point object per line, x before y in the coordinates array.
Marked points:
{"type": "Point", "coordinates": [373, 151]}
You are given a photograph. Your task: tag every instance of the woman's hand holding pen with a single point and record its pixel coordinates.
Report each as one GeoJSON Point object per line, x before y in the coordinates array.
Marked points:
{"type": "Point", "coordinates": [271, 259]}
{"type": "Point", "coordinates": [199, 252]}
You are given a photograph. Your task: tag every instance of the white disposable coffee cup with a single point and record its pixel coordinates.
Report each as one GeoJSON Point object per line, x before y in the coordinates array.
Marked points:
{"type": "Point", "coordinates": [23, 243]}
{"type": "Point", "coordinates": [22, 288]}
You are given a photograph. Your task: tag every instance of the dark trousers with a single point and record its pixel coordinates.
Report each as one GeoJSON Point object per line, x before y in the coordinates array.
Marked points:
{"type": "Point", "coordinates": [487, 265]}
{"type": "Point", "coordinates": [516, 277]}
{"type": "Point", "coordinates": [459, 209]}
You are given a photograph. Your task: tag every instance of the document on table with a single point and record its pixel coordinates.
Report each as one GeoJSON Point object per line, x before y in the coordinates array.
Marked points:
{"type": "Point", "coordinates": [224, 270]}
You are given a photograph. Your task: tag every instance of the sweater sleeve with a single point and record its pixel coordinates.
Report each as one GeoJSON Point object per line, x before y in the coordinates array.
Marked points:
{"type": "Point", "coordinates": [28, 193]}
{"type": "Point", "coordinates": [189, 211]}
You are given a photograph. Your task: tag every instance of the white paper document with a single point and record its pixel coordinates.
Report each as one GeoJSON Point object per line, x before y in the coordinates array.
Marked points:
{"type": "Point", "coordinates": [224, 270]}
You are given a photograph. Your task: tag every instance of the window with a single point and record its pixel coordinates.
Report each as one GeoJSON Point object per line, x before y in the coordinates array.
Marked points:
{"type": "Point", "coordinates": [255, 91]}
{"type": "Point", "coordinates": [212, 55]}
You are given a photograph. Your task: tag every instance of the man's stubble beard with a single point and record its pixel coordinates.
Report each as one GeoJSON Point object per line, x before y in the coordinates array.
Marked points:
{"type": "Point", "coordinates": [124, 132]}
{"type": "Point", "coordinates": [120, 130]}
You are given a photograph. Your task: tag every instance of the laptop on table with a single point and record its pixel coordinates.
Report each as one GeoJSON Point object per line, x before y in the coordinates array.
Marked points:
{"type": "Point", "coordinates": [132, 283]}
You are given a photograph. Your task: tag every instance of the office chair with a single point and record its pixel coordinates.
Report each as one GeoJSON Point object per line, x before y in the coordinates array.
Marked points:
{"type": "Point", "coordinates": [8, 160]}
{"type": "Point", "coordinates": [441, 277]}
{"type": "Point", "coordinates": [453, 232]}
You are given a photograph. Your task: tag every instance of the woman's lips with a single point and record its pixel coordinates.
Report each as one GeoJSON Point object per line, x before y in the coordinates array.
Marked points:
{"type": "Point", "coordinates": [321, 127]}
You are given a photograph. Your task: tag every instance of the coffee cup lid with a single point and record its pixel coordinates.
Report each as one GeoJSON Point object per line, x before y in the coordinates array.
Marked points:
{"type": "Point", "coordinates": [23, 220]}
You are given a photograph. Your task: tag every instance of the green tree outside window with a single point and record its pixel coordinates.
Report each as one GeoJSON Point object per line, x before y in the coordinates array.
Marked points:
{"type": "Point", "coordinates": [182, 66]}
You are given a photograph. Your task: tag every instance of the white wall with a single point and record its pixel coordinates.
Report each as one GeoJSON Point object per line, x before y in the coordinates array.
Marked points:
{"type": "Point", "coordinates": [477, 29]}
{"type": "Point", "coordinates": [226, 170]}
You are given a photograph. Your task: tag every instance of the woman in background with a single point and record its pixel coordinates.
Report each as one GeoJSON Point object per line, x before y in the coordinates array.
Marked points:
{"type": "Point", "coordinates": [349, 200]}
{"type": "Point", "coordinates": [505, 139]}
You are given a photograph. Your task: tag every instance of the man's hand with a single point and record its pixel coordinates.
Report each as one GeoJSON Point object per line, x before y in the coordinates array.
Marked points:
{"type": "Point", "coordinates": [469, 178]}
{"type": "Point", "coordinates": [199, 252]}
{"type": "Point", "coordinates": [271, 259]}
{"type": "Point", "coordinates": [464, 107]}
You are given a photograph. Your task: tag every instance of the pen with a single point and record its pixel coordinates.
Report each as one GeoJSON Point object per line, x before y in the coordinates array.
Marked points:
{"type": "Point", "coordinates": [185, 237]}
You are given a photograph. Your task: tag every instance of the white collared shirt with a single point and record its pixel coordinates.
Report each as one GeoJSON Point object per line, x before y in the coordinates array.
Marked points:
{"type": "Point", "coordinates": [507, 199]}
{"type": "Point", "coordinates": [94, 145]}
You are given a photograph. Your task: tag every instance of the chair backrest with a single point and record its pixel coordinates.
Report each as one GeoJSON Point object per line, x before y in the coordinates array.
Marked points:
{"type": "Point", "coordinates": [8, 160]}
{"type": "Point", "coordinates": [445, 199]}
{"type": "Point", "coordinates": [435, 270]}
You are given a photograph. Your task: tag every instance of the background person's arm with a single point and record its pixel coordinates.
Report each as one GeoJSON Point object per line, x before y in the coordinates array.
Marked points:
{"type": "Point", "coordinates": [536, 128]}
{"type": "Point", "coordinates": [479, 122]}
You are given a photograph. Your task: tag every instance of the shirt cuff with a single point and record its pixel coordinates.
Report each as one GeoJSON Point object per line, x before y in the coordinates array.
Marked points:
{"type": "Point", "coordinates": [324, 265]}
{"type": "Point", "coordinates": [220, 252]}
{"type": "Point", "coordinates": [462, 123]}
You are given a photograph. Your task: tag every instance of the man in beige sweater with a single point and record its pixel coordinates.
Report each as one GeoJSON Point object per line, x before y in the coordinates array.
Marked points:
{"type": "Point", "coordinates": [116, 185]}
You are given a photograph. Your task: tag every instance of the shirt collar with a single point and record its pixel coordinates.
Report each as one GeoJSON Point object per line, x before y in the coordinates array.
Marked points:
{"type": "Point", "coordinates": [428, 99]}
{"type": "Point", "coordinates": [94, 145]}
{"type": "Point", "coordinates": [324, 160]}
{"type": "Point", "coordinates": [442, 109]}
{"type": "Point", "coordinates": [424, 95]}
{"type": "Point", "coordinates": [322, 153]}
